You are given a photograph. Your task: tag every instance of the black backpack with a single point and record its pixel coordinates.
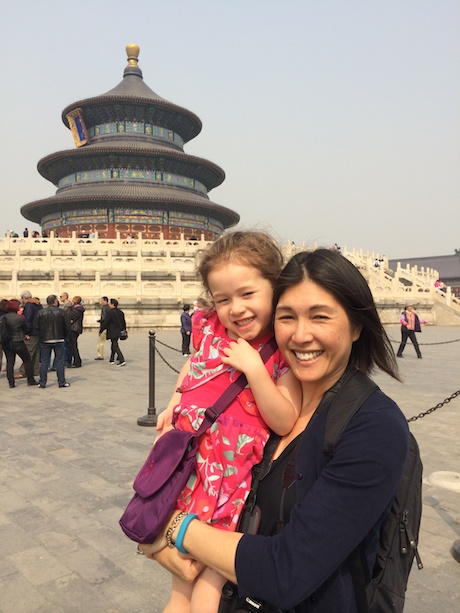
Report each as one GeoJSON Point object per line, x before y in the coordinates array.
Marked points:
{"type": "Point", "coordinates": [385, 589]}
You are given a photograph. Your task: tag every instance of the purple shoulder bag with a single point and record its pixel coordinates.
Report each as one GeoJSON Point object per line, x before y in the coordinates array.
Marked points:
{"type": "Point", "coordinates": [168, 468]}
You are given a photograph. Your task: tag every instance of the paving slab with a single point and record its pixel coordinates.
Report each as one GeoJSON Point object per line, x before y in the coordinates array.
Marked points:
{"type": "Point", "coordinates": [68, 458]}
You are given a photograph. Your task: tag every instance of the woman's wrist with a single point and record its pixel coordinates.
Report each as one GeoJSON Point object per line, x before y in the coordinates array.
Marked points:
{"type": "Point", "coordinates": [173, 527]}
{"type": "Point", "coordinates": [179, 541]}
{"type": "Point", "coordinates": [176, 532]}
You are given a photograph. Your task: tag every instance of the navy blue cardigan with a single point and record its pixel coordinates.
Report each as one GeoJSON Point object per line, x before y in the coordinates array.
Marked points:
{"type": "Point", "coordinates": [339, 505]}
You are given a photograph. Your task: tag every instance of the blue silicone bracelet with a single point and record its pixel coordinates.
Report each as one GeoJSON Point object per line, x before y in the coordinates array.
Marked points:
{"type": "Point", "coordinates": [179, 543]}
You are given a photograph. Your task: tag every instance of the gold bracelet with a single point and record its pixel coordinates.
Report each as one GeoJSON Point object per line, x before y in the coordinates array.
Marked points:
{"type": "Point", "coordinates": [170, 531]}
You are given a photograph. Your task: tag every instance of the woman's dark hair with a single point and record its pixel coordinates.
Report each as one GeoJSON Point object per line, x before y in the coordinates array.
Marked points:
{"type": "Point", "coordinates": [13, 305]}
{"type": "Point", "coordinates": [337, 275]}
{"type": "Point", "coordinates": [3, 302]}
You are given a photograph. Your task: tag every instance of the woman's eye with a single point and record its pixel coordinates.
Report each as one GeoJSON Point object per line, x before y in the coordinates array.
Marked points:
{"type": "Point", "coordinates": [283, 317]}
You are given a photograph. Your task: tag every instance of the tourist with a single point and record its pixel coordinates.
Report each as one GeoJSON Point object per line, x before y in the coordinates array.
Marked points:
{"type": "Point", "coordinates": [410, 324]}
{"type": "Point", "coordinates": [105, 309]}
{"type": "Point", "coordinates": [67, 305]}
{"type": "Point", "coordinates": [114, 322]}
{"type": "Point", "coordinates": [3, 311]}
{"type": "Point", "coordinates": [186, 329]}
{"type": "Point", "coordinates": [76, 315]}
{"type": "Point", "coordinates": [198, 321]}
{"type": "Point", "coordinates": [239, 270]}
{"type": "Point", "coordinates": [32, 341]}
{"type": "Point", "coordinates": [326, 322]}
{"type": "Point", "coordinates": [53, 328]}
{"type": "Point", "coordinates": [14, 345]}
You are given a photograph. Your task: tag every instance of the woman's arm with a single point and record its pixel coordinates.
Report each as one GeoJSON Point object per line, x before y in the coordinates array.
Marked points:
{"type": "Point", "coordinates": [335, 512]}
{"type": "Point", "coordinates": [279, 404]}
{"type": "Point", "coordinates": [213, 547]}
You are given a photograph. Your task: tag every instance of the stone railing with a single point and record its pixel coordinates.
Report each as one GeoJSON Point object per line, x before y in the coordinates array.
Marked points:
{"type": "Point", "coordinates": [153, 278]}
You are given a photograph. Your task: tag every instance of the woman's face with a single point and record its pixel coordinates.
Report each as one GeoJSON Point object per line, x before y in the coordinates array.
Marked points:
{"type": "Point", "coordinates": [314, 333]}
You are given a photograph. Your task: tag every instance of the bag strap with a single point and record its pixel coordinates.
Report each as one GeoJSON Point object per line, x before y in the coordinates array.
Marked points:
{"type": "Point", "coordinates": [232, 391]}
{"type": "Point", "coordinates": [358, 388]}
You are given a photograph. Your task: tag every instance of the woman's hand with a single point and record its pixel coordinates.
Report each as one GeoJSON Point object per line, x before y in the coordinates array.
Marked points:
{"type": "Point", "coordinates": [179, 565]}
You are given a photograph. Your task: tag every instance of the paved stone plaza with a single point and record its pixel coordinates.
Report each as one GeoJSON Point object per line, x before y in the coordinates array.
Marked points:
{"type": "Point", "coordinates": [68, 458]}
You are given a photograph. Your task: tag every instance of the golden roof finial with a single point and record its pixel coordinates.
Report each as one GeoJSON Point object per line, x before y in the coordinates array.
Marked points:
{"type": "Point", "coordinates": [132, 52]}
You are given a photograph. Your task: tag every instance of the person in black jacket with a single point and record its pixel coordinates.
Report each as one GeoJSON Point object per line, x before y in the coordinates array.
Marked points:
{"type": "Point", "coordinates": [114, 322]}
{"type": "Point", "coordinates": [76, 328]}
{"type": "Point", "coordinates": [15, 345]}
{"type": "Point", "coordinates": [30, 310]}
{"type": "Point", "coordinates": [53, 328]}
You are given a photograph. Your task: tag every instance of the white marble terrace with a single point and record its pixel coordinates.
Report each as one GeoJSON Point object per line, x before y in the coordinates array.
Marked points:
{"type": "Point", "coordinates": [153, 278]}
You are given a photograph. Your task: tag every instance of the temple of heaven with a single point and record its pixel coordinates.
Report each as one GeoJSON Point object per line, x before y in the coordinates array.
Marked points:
{"type": "Point", "coordinates": [128, 173]}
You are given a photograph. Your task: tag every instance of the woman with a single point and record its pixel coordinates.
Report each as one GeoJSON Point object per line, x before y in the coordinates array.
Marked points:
{"type": "Point", "coordinates": [16, 327]}
{"type": "Point", "coordinates": [325, 322]}
{"type": "Point", "coordinates": [410, 324]}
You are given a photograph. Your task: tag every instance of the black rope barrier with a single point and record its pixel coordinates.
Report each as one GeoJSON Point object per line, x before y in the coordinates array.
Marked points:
{"type": "Point", "coordinates": [426, 344]}
{"type": "Point", "coordinates": [438, 406]}
{"type": "Point", "coordinates": [150, 419]}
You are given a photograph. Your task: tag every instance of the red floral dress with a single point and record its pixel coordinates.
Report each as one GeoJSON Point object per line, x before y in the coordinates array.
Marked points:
{"type": "Point", "coordinates": [218, 488]}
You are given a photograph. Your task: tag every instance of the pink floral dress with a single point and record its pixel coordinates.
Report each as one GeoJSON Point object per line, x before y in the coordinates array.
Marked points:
{"type": "Point", "coordinates": [218, 488]}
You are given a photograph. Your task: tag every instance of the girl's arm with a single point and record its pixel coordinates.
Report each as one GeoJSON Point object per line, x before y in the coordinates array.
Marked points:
{"type": "Point", "coordinates": [279, 404]}
{"type": "Point", "coordinates": [165, 417]}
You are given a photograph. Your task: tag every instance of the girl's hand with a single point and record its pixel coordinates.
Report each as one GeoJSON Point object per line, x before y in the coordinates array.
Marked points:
{"type": "Point", "coordinates": [241, 356]}
{"type": "Point", "coordinates": [164, 423]}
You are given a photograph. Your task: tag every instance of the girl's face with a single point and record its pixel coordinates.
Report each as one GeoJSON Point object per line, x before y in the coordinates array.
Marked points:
{"type": "Point", "coordinates": [243, 300]}
{"type": "Point", "coordinates": [314, 333]}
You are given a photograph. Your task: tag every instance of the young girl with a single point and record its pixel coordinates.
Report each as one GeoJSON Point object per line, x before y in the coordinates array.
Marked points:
{"type": "Point", "coordinates": [239, 271]}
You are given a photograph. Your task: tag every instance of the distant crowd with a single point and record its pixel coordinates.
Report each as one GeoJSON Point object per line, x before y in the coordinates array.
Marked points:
{"type": "Point", "coordinates": [36, 334]}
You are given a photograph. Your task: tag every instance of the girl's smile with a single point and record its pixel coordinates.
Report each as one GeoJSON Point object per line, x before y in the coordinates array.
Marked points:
{"type": "Point", "coordinates": [243, 300]}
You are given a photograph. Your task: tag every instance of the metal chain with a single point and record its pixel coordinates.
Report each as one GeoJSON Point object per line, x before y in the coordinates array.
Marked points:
{"type": "Point", "coordinates": [426, 344]}
{"type": "Point", "coordinates": [414, 418]}
{"type": "Point", "coordinates": [438, 406]}
{"type": "Point", "coordinates": [165, 361]}
{"type": "Point", "coordinates": [168, 346]}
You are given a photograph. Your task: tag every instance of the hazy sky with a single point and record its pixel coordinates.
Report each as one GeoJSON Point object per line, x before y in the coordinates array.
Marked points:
{"type": "Point", "coordinates": [334, 120]}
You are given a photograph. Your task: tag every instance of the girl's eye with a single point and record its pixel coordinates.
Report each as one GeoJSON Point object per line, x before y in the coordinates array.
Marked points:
{"type": "Point", "coordinates": [248, 294]}
{"type": "Point", "coordinates": [221, 300]}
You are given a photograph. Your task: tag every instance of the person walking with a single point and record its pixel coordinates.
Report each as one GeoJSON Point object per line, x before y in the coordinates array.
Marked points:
{"type": "Point", "coordinates": [410, 324]}
{"type": "Point", "coordinates": [15, 345]}
{"type": "Point", "coordinates": [105, 309]}
{"type": "Point", "coordinates": [114, 323]}
{"type": "Point", "coordinates": [186, 329]}
{"type": "Point", "coordinates": [53, 328]}
{"type": "Point", "coordinates": [76, 328]}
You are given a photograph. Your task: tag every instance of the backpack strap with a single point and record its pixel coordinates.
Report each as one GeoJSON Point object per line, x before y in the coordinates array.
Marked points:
{"type": "Point", "coordinates": [232, 391]}
{"type": "Point", "coordinates": [358, 388]}
{"type": "Point", "coordinates": [343, 407]}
